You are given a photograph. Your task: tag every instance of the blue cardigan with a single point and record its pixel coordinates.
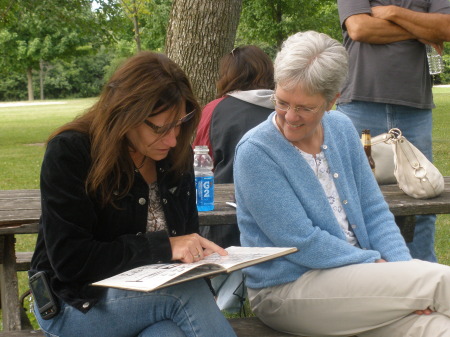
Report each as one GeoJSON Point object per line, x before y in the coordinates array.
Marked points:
{"type": "Point", "coordinates": [281, 203]}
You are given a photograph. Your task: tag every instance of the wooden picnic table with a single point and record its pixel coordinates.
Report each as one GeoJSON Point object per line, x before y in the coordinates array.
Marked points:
{"type": "Point", "coordinates": [20, 211]}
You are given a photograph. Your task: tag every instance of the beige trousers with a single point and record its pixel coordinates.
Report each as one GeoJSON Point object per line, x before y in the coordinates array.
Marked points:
{"type": "Point", "coordinates": [374, 299]}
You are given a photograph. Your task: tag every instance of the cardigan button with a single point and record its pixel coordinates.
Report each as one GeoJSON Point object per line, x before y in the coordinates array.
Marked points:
{"type": "Point", "coordinates": [174, 232]}
{"type": "Point", "coordinates": [142, 201]}
{"type": "Point", "coordinates": [324, 147]}
{"type": "Point", "coordinates": [86, 305]}
{"type": "Point", "coordinates": [336, 175]}
{"type": "Point", "coordinates": [188, 193]}
{"type": "Point", "coordinates": [164, 201]}
{"type": "Point", "coordinates": [353, 226]}
{"type": "Point", "coordinates": [345, 202]}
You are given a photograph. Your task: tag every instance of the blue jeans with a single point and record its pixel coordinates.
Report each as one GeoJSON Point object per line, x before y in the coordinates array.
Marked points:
{"type": "Point", "coordinates": [186, 309]}
{"type": "Point", "coordinates": [416, 125]}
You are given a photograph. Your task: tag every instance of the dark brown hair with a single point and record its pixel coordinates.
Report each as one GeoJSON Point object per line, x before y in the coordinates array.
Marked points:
{"type": "Point", "coordinates": [245, 68]}
{"type": "Point", "coordinates": [145, 83]}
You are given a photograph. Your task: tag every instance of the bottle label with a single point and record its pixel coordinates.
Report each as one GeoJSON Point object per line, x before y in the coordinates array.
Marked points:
{"type": "Point", "coordinates": [205, 192]}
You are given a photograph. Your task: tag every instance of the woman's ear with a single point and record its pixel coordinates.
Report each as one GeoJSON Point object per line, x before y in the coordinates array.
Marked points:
{"type": "Point", "coordinates": [330, 105]}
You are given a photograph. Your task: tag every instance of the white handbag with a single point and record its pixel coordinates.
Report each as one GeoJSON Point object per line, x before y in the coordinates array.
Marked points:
{"type": "Point", "coordinates": [383, 156]}
{"type": "Point", "coordinates": [415, 174]}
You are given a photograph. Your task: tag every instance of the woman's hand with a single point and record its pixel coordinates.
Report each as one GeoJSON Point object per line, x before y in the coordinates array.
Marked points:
{"type": "Point", "coordinates": [380, 261]}
{"type": "Point", "coordinates": [193, 247]}
{"type": "Point", "coordinates": [427, 311]}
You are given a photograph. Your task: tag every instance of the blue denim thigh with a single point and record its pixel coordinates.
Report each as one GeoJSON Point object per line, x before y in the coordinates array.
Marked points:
{"type": "Point", "coordinates": [124, 313]}
{"type": "Point", "coordinates": [416, 125]}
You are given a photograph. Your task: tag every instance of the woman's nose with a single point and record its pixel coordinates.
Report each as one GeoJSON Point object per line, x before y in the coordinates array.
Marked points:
{"type": "Point", "coordinates": [170, 138]}
{"type": "Point", "coordinates": [292, 116]}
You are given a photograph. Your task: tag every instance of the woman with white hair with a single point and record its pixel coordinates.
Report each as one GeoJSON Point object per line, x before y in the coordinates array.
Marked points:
{"type": "Point", "coordinates": [303, 180]}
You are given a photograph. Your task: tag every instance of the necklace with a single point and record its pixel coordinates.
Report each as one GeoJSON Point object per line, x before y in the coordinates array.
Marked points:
{"type": "Point", "coordinates": [142, 163]}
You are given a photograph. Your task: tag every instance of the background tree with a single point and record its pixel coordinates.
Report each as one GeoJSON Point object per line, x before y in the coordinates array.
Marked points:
{"type": "Point", "coordinates": [199, 34]}
{"type": "Point", "coordinates": [134, 9]}
{"type": "Point", "coordinates": [63, 36]}
{"type": "Point", "coordinates": [267, 23]}
{"type": "Point", "coordinates": [42, 31]}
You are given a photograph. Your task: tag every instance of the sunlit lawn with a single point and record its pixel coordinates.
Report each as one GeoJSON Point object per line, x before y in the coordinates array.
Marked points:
{"type": "Point", "coordinates": [24, 130]}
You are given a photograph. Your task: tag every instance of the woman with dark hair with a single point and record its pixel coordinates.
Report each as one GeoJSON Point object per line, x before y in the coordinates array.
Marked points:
{"type": "Point", "coordinates": [244, 88]}
{"type": "Point", "coordinates": [118, 192]}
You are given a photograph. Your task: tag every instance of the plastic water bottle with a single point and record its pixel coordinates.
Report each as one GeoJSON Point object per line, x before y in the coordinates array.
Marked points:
{"type": "Point", "coordinates": [435, 62]}
{"type": "Point", "coordinates": [204, 178]}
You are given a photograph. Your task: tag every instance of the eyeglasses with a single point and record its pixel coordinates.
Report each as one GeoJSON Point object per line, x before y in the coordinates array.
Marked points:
{"type": "Point", "coordinates": [299, 109]}
{"type": "Point", "coordinates": [164, 128]}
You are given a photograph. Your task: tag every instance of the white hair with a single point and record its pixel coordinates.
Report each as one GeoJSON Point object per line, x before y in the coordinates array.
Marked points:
{"type": "Point", "coordinates": [313, 61]}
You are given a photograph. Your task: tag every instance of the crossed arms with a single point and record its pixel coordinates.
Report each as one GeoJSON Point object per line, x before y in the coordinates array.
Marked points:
{"type": "Point", "coordinates": [391, 23]}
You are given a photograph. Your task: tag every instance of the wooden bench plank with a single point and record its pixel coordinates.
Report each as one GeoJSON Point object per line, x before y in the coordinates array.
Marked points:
{"type": "Point", "coordinates": [23, 260]}
{"type": "Point", "coordinates": [252, 327]}
{"type": "Point", "coordinates": [23, 333]}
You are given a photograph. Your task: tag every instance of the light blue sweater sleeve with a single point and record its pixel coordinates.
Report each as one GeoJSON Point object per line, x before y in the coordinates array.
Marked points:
{"type": "Point", "coordinates": [281, 203]}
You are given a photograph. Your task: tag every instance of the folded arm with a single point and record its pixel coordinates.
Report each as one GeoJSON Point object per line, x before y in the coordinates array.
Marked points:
{"type": "Point", "coordinates": [368, 29]}
{"type": "Point", "coordinates": [389, 24]}
{"type": "Point", "coordinates": [433, 27]}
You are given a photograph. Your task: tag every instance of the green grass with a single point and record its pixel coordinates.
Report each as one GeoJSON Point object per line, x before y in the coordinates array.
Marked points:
{"type": "Point", "coordinates": [24, 130]}
{"type": "Point", "coordinates": [441, 156]}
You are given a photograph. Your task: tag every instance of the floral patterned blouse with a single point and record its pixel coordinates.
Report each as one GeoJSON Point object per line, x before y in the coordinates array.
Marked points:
{"type": "Point", "coordinates": [319, 165]}
{"type": "Point", "coordinates": [156, 220]}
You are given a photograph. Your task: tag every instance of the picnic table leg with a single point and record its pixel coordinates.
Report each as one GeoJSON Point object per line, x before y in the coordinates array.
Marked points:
{"type": "Point", "coordinates": [407, 224]}
{"type": "Point", "coordinates": [9, 285]}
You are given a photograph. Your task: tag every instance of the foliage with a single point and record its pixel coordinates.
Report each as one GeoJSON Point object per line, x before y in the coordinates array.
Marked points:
{"type": "Point", "coordinates": [267, 23]}
{"type": "Point", "coordinates": [45, 30]}
{"type": "Point", "coordinates": [445, 76]}
{"type": "Point", "coordinates": [154, 25]}
{"type": "Point", "coordinates": [36, 33]}
{"type": "Point", "coordinates": [69, 34]}
{"type": "Point", "coordinates": [13, 87]}
{"type": "Point", "coordinates": [80, 77]}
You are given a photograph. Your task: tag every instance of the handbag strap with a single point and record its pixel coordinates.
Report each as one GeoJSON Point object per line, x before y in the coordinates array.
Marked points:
{"type": "Point", "coordinates": [387, 137]}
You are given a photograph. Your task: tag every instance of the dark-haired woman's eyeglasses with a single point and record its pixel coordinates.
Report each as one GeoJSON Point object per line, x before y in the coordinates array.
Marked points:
{"type": "Point", "coordinates": [165, 128]}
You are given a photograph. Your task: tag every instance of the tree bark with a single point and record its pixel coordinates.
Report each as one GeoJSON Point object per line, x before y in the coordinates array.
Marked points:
{"type": "Point", "coordinates": [41, 79]}
{"type": "Point", "coordinates": [137, 34]}
{"type": "Point", "coordinates": [200, 32]}
{"type": "Point", "coordinates": [30, 84]}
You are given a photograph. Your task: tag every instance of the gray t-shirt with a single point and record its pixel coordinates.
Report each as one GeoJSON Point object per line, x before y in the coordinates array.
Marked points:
{"type": "Point", "coordinates": [394, 73]}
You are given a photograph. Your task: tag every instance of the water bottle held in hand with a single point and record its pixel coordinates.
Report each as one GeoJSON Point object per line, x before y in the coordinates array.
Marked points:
{"type": "Point", "coordinates": [435, 62]}
{"type": "Point", "coordinates": [204, 178]}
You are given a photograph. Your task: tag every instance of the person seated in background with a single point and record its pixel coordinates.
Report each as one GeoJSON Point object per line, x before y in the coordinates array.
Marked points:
{"type": "Point", "coordinates": [118, 192]}
{"type": "Point", "coordinates": [244, 89]}
{"type": "Point", "coordinates": [302, 180]}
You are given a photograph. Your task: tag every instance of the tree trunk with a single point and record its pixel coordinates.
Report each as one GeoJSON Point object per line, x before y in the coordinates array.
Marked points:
{"type": "Point", "coordinates": [41, 79]}
{"type": "Point", "coordinates": [30, 84]}
{"type": "Point", "coordinates": [198, 35]}
{"type": "Point", "coordinates": [137, 34]}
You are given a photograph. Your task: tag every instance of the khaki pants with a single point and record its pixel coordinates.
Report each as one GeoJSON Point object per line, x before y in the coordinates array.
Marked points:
{"type": "Point", "coordinates": [374, 299]}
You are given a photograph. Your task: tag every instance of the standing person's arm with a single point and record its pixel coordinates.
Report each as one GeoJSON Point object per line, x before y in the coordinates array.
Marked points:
{"type": "Point", "coordinates": [368, 29]}
{"type": "Point", "coordinates": [434, 27]}
{"type": "Point", "coordinates": [357, 20]}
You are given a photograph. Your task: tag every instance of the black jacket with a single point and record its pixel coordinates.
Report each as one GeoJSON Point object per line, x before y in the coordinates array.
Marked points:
{"type": "Point", "coordinates": [80, 242]}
